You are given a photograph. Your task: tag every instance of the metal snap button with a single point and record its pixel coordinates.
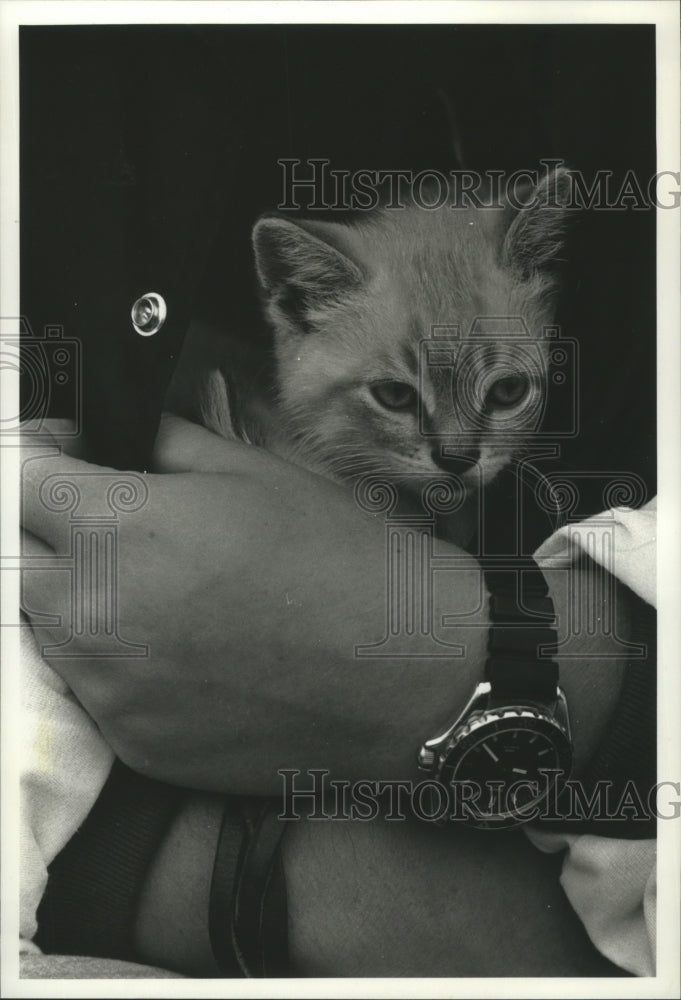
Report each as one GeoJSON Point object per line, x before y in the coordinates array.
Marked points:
{"type": "Point", "coordinates": [149, 314]}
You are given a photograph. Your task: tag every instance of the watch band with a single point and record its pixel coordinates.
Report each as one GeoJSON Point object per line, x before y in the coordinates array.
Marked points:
{"type": "Point", "coordinates": [521, 613]}
{"type": "Point", "coordinates": [521, 635]}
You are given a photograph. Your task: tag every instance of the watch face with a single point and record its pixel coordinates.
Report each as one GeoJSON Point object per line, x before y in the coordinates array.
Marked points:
{"type": "Point", "coordinates": [501, 769]}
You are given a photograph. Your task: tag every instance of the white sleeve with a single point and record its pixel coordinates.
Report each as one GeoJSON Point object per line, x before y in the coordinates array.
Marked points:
{"type": "Point", "coordinates": [64, 765]}
{"type": "Point", "coordinates": [622, 540]}
{"type": "Point", "coordinates": [612, 887]}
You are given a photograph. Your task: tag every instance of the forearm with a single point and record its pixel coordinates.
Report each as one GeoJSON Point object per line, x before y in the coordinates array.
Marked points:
{"type": "Point", "coordinates": [286, 632]}
{"type": "Point", "coordinates": [253, 590]}
{"type": "Point", "coordinates": [365, 717]}
{"type": "Point", "coordinates": [377, 899]}
{"type": "Point", "coordinates": [429, 871]}
{"type": "Point", "coordinates": [593, 613]}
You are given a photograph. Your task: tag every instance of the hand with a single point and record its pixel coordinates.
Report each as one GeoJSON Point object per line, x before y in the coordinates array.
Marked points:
{"type": "Point", "coordinates": [251, 588]}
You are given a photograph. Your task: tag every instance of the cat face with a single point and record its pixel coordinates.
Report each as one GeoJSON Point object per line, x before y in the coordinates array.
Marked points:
{"type": "Point", "coordinates": [354, 310]}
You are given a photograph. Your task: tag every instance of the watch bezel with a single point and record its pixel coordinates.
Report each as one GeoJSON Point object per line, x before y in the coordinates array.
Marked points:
{"type": "Point", "coordinates": [505, 718]}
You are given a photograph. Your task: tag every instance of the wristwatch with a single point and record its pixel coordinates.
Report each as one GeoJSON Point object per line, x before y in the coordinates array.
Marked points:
{"type": "Point", "coordinates": [509, 751]}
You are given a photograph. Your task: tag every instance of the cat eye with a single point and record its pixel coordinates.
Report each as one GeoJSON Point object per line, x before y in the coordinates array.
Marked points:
{"type": "Point", "coordinates": [394, 395]}
{"type": "Point", "coordinates": [508, 391]}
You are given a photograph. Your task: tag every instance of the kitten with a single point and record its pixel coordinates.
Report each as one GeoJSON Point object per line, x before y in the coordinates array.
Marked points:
{"type": "Point", "coordinates": [349, 305]}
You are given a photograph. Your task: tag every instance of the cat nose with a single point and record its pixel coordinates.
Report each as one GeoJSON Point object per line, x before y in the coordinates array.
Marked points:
{"type": "Point", "coordinates": [457, 461]}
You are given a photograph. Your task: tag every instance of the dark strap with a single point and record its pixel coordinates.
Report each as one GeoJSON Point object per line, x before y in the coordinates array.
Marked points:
{"type": "Point", "coordinates": [521, 634]}
{"type": "Point", "coordinates": [247, 910]}
{"type": "Point", "coordinates": [522, 619]}
{"type": "Point", "coordinates": [91, 898]}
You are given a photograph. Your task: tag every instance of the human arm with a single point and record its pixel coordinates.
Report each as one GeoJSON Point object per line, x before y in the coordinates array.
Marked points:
{"type": "Point", "coordinates": [317, 864]}
{"type": "Point", "coordinates": [383, 898]}
{"type": "Point", "coordinates": [251, 600]}
{"type": "Point", "coordinates": [377, 898]}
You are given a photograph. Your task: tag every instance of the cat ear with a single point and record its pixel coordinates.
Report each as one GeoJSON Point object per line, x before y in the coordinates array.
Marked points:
{"type": "Point", "coordinates": [302, 265]}
{"type": "Point", "coordinates": [535, 236]}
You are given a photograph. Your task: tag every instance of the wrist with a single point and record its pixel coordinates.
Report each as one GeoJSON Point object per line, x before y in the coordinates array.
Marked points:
{"type": "Point", "coordinates": [593, 613]}
{"type": "Point", "coordinates": [617, 766]}
{"type": "Point", "coordinates": [515, 726]}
